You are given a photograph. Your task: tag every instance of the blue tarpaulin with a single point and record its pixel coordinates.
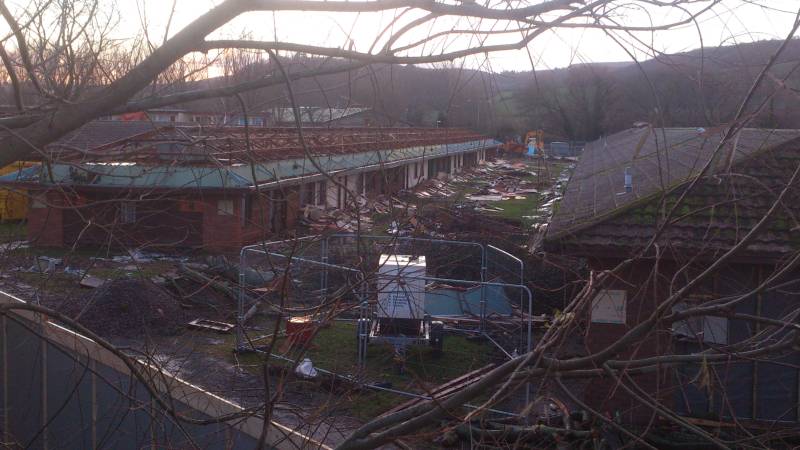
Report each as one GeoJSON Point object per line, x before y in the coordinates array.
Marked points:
{"type": "Point", "coordinates": [25, 174]}
{"type": "Point", "coordinates": [453, 301]}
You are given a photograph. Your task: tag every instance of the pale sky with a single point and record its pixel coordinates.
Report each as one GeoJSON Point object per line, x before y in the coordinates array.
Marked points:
{"type": "Point", "coordinates": [729, 22]}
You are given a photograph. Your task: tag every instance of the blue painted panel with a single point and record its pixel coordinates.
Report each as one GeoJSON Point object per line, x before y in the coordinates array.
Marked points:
{"type": "Point", "coordinates": [456, 302]}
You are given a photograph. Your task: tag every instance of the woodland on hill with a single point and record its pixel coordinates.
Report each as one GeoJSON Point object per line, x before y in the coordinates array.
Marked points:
{"type": "Point", "coordinates": [580, 103]}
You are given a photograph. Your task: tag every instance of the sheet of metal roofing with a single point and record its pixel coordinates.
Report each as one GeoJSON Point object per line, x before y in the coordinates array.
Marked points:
{"type": "Point", "coordinates": [240, 175]}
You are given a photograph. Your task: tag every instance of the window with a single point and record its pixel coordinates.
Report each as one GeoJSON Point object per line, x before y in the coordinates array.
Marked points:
{"type": "Point", "coordinates": [709, 329]}
{"type": "Point", "coordinates": [307, 194]}
{"type": "Point", "coordinates": [127, 212]}
{"type": "Point", "coordinates": [360, 183]}
{"type": "Point", "coordinates": [608, 306]}
{"type": "Point", "coordinates": [322, 192]}
{"type": "Point", "coordinates": [225, 207]}
{"type": "Point", "coordinates": [416, 171]}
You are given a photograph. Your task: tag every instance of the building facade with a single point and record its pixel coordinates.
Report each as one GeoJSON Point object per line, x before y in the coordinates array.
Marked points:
{"type": "Point", "coordinates": [677, 202]}
{"type": "Point", "coordinates": [219, 189]}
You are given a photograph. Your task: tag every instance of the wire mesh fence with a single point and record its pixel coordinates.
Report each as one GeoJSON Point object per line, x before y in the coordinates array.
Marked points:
{"type": "Point", "coordinates": [472, 287]}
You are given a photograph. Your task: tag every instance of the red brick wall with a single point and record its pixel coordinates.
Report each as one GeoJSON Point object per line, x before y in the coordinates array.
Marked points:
{"type": "Point", "coordinates": [257, 228]}
{"type": "Point", "coordinates": [643, 295]}
{"type": "Point", "coordinates": [222, 232]}
{"type": "Point", "coordinates": [161, 221]}
{"type": "Point", "coordinates": [45, 223]}
{"type": "Point", "coordinates": [187, 221]}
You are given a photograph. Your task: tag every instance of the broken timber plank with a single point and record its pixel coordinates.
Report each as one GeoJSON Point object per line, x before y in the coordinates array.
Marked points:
{"type": "Point", "coordinates": [205, 324]}
{"type": "Point", "coordinates": [448, 388]}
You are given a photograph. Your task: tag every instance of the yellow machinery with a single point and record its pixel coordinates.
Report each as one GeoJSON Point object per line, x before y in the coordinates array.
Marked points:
{"type": "Point", "coordinates": [13, 204]}
{"type": "Point", "coordinates": [532, 144]}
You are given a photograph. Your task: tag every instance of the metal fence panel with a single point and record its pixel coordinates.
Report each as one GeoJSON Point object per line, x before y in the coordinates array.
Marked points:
{"type": "Point", "coordinates": [62, 390]}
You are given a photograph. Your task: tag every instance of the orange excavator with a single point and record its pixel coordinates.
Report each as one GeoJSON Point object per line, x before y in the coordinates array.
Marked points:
{"type": "Point", "coordinates": [532, 144]}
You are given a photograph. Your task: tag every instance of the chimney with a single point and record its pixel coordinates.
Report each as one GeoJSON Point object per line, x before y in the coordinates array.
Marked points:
{"type": "Point", "coordinates": [628, 180]}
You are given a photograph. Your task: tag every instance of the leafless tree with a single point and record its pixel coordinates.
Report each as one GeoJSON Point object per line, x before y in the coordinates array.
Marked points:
{"type": "Point", "coordinates": [64, 71]}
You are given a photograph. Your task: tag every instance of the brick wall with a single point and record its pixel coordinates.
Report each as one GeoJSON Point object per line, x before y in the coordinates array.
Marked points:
{"type": "Point", "coordinates": [45, 219]}
{"type": "Point", "coordinates": [222, 222]}
{"type": "Point", "coordinates": [603, 394]}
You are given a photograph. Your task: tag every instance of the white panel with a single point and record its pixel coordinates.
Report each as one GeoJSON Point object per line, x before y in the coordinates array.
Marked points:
{"type": "Point", "coordinates": [609, 306]}
{"type": "Point", "coordinates": [398, 296]}
{"type": "Point", "coordinates": [331, 196]}
{"type": "Point", "coordinates": [225, 207]}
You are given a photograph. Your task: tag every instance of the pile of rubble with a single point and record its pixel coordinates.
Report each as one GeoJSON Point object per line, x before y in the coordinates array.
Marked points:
{"type": "Point", "coordinates": [549, 199]}
{"type": "Point", "coordinates": [435, 189]}
{"type": "Point", "coordinates": [320, 220]}
{"type": "Point", "coordinates": [137, 293]}
{"type": "Point", "coordinates": [494, 182]}
{"type": "Point", "coordinates": [126, 307]}
{"type": "Point", "coordinates": [498, 180]}
{"type": "Point", "coordinates": [357, 217]}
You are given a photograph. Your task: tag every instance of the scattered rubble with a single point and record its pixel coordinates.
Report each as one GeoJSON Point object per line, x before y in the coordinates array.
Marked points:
{"type": "Point", "coordinates": [212, 325]}
{"type": "Point", "coordinates": [356, 218]}
{"type": "Point", "coordinates": [46, 264]}
{"type": "Point", "coordinates": [434, 189]}
{"type": "Point", "coordinates": [140, 256]}
{"type": "Point", "coordinates": [501, 180]}
{"type": "Point", "coordinates": [14, 245]}
{"type": "Point", "coordinates": [91, 282]}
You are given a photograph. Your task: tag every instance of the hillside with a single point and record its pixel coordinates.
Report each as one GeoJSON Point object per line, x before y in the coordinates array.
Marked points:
{"type": "Point", "coordinates": [695, 88]}
{"type": "Point", "coordinates": [581, 102]}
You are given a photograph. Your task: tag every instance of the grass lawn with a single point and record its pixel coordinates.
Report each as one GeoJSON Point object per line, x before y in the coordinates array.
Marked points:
{"type": "Point", "coordinates": [334, 349]}
{"type": "Point", "coordinates": [516, 209]}
{"type": "Point", "coordinates": [13, 231]}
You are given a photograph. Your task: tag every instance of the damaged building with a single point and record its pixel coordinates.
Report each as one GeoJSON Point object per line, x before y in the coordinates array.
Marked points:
{"type": "Point", "coordinates": [220, 188]}
{"type": "Point", "coordinates": [623, 187]}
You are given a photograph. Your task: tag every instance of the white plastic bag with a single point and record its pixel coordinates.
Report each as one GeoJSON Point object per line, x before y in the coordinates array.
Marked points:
{"type": "Point", "coordinates": [306, 369]}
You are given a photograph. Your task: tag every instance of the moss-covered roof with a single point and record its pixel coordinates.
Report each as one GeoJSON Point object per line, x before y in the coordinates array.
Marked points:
{"type": "Point", "coordinates": [597, 215]}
